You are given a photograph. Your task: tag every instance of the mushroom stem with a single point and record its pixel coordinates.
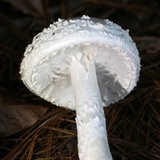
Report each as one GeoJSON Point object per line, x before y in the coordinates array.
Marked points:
{"type": "Point", "coordinates": [90, 119]}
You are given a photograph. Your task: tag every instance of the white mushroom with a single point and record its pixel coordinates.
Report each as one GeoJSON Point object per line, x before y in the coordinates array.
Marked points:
{"type": "Point", "coordinates": [83, 64]}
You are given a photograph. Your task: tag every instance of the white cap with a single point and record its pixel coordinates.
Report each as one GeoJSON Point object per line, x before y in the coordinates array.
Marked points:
{"type": "Point", "coordinates": [45, 67]}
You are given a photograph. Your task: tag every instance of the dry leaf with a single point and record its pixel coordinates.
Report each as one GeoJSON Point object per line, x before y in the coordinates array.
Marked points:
{"type": "Point", "coordinates": [18, 117]}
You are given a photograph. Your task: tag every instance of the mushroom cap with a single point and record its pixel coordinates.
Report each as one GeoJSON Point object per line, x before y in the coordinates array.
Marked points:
{"type": "Point", "coordinates": [45, 66]}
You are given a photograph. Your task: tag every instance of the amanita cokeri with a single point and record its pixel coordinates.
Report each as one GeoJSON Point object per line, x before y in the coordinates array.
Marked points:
{"type": "Point", "coordinates": [83, 64]}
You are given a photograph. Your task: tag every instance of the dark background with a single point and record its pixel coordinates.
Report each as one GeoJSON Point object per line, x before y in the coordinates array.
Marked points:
{"type": "Point", "coordinates": [133, 124]}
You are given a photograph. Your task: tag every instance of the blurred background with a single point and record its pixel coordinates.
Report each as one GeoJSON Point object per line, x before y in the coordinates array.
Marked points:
{"type": "Point", "coordinates": [32, 129]}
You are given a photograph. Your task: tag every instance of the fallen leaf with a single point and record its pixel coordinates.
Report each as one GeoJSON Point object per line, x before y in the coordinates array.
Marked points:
{"type": "Point", "coordinates": [18, 117]}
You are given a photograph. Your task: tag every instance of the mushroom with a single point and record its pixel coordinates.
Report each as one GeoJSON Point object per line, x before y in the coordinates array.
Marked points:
{"type": "Point", "coordinates": [83, 64]}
